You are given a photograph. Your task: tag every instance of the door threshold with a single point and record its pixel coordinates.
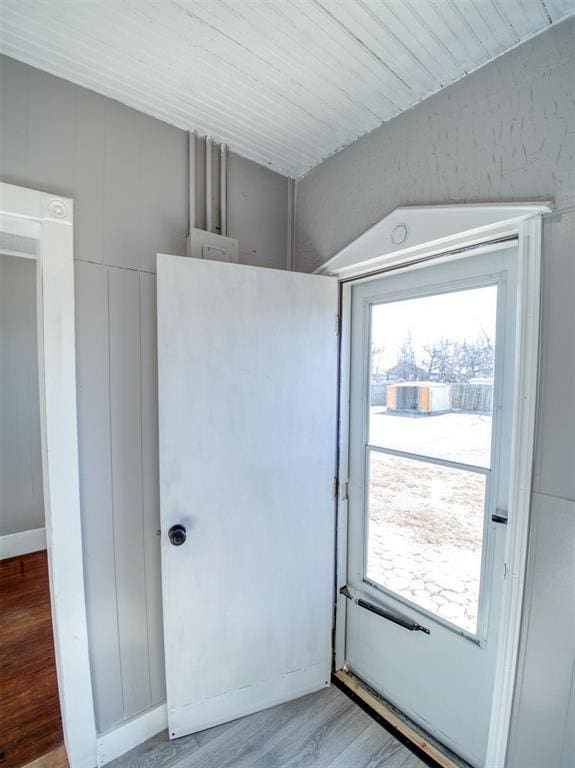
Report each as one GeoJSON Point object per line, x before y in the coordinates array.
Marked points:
{"type": "Point", "coordinates": [415, 738]}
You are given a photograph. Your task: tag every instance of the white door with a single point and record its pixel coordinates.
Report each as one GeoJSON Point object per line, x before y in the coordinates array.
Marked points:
{"type": "Point", "coordinates": [247, 404]}
{"type": "Point", "coordinates": [431, 393]}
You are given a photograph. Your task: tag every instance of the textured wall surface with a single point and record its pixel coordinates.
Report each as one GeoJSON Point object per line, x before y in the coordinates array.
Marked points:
{"type": "Point", "coordinates": [505, 133]}
{"type": "Point", "coordinates": [127, 173]}
{"type": "Point", "coordinates": [21, 496]}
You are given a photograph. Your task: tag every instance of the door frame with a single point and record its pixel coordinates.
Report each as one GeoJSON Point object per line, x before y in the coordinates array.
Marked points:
{"type": "Point", "coordinates": [411, 238]}
{"type": "Point", "coordinates": [52, 216]}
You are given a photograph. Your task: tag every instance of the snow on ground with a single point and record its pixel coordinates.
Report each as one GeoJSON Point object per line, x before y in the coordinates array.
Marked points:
{"type": "Point", "coordinates": [425, 520]}
{"type": "Point", "coordinates": [462, 437]}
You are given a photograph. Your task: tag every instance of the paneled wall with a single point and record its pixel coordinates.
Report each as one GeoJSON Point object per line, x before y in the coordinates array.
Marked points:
{"type": "Point", "coordinates": [505, 133]}
{"type": "Point", "coordinates": [127, 174]}
{"type": "Point", "coordinates": [117, 388]}
{"type": "Point", "coordinates": [21, 499]}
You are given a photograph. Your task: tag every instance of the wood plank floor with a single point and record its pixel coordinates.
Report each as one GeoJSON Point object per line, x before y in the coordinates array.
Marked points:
{"type": "Point", "coordinates": [55, 759]}
{"type": "Point", "coordinates": [322, 730]}
{"type": "Point", "coordinates": [30, 723]}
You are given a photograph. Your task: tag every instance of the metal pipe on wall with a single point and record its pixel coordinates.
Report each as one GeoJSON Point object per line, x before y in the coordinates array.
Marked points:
{"type": "Point", "coordinates": [223, 189]}
{"type": "Point", "coordinates": [209, 217]}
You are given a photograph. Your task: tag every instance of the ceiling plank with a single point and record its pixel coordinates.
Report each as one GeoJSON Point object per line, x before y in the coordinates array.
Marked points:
{"type": "Point", "coordinates": [285, 84]}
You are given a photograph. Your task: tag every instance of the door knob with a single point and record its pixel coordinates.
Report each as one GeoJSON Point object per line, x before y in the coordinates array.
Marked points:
{"type": "Point", "coordinates": [177, 535]}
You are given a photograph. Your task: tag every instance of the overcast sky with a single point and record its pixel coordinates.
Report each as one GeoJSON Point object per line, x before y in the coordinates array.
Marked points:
{"type": "Point", "coordinates": [459, 316]}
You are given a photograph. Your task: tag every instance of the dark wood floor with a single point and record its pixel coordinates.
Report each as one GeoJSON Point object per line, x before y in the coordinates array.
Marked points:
{"type": "Point", "coordinates": [30, 723]}
{"type": "Point", "coordinates": [322, 730]}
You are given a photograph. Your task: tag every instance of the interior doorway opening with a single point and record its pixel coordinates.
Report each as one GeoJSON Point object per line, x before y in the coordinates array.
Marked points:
{"type": "Point", "coordinates": [37, 227]}
{"type": "Point", "coordinates": [30, 718]}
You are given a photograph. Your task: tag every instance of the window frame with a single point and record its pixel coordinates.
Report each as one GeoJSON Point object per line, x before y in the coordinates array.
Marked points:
{"type": "Point", "coordinates": [490, 472]}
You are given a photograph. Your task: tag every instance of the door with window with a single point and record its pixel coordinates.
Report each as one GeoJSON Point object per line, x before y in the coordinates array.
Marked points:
{"type": "Point", "coordinates": [431, 393]}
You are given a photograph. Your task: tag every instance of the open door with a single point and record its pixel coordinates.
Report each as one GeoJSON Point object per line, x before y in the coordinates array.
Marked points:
{"type": "Point", "coordinates": [247, 404]}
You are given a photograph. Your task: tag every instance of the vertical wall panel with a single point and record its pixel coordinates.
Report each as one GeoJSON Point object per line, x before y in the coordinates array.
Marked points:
{"type": "Point", "coordinates": [89, 161]}
{"type": "Point", "coordinates": [151, 492]}
{"type": "Point", "coordinates": [164, 192]}
{"type": "Point", "coordinates": [125, 406]}
{"type": "Point", "coordinates": [51, 133]}
{"type": "Point", "coordinates": [122, 187]}
{"type": "Point", "coordinates": [568, 747]}
{"type": "Point", "coordinates": [544, 685]}
{"type": "Point", "coordinates": [14, 110]}
{"type": "Point", "coordinates": [21, 495]}
{"type": "Point", "coordinates": [95, 456]}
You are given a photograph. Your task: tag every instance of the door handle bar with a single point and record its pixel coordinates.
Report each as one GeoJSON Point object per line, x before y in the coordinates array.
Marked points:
{"type": "Point", "coordinates": [385, 613]}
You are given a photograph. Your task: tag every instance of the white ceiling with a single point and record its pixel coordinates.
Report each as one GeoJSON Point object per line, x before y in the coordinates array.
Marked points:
{"type": "Point", "coordinates": [284, 82]}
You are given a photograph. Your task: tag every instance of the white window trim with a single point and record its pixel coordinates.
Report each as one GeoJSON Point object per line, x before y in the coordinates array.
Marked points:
{"type": "Point", "coordinates": [57, 384]}
{"type": "Point", "coordinates": [438, 231]}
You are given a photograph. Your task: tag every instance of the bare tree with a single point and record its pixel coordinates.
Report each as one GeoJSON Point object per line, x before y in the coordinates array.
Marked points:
{"type": "Point", "coordinates": [477, 358]}
{"type": "Point", "coordinates": [441, 360]}
{"type": "Point", "coordinates": [377, 352]}
{"type": "Point", "coordinates": [406, 367]}
{"type": "Point", "coordinates": [450, 361]}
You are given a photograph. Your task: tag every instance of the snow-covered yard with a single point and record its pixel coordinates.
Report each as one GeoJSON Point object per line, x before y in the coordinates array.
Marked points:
{"type": "Point", "coordinates": [461, 437]}
{"type": "Point", "coordinates": [426, 520]}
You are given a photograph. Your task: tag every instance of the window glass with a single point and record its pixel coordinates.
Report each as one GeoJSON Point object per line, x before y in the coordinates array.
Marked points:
{"type": "Point", "coordinates": [425, 535]}
{"type": "Point", "coordinates": [432, 374]}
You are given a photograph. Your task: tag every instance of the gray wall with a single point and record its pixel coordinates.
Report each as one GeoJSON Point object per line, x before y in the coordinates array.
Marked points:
{"type": "Point", "coordinates": [128, 176]}
{"type": "Point", "coordinates": [505, 133]}
{"type": "Point", "coordinates": [257, 206]}
{"type": "Point", "coordinates": [21, 496]}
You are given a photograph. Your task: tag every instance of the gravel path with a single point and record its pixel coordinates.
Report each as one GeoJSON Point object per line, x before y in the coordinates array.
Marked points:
{"type": "Point", "coordinates": [444, 581]}
{"type": "Point", "coordinates": [425, 535]}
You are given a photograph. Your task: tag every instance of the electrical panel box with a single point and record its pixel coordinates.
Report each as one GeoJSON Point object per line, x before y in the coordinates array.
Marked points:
{"type": "Point", "coordinates": [209, 245]}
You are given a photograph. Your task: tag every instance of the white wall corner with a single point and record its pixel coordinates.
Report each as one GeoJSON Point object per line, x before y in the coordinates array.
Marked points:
{"type": "Point", "coordinates": [131, 734]}
{"type": "Point", "coordinates": [291, 213]}
{"type": "Point", "coordinates": [16, 544]}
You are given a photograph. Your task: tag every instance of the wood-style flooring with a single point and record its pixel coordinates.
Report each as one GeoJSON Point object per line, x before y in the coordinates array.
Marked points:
{"type": "Point", "coordinates": [55, 759]}
{"type": "Point", "coordinates": [322, 730]}
{"type": "Point", "coordinates": [30, 723]}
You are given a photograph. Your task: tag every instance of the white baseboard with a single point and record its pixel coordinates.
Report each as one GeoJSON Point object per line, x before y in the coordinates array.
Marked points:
{"type": "Point", "coordinates": [15, 544]}
{"type": "Point", "coordinates": [132, 733]}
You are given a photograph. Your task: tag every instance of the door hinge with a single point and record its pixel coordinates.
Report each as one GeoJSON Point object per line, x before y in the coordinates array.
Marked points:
{"type": "Point", "coordinates": [336, 489]}
{"type": "Point", "coordinates": [337, 486]}
{"type": "Point", "coordinates": [337, 325]}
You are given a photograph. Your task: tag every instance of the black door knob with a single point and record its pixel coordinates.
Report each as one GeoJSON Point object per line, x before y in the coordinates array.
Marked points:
{"type": "Point", "coordinates": [177, 535]}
